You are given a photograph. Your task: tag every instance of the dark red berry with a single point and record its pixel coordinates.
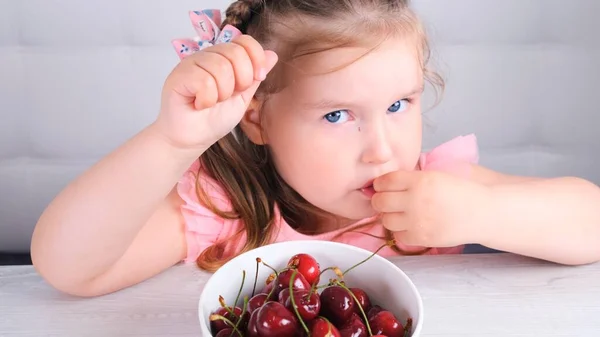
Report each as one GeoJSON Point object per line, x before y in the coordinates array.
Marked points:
{"type": "Point", "coordinates": [252, 330]}
{"type": "Point", "coordinates": [219, 324]}
{"type": "Point", "coordinates": [385, 323]}
{"type": "Point", "coordinates": [273, 319]}
{"type": "Point", "coordinates": [256, 302]}
{"type": "Point", "coordinates": [307, 266]}
{"type": "Point", "coordinates": [320, 327]}
{"type": "Point", "coordinates": [337, 304]}
{"type": "Point", "coordinates": [284, 295]}
{"type": "Point", "coordinates": [229, 332]}
{"type": "Point", "coordinates": [308, 307]}
{"type": "Point", "coordinates": [354, 327]}
{"type": "Point", "coordinates": [374, 311]}
{"type": "Point", "coordinates": [363, 300]}
{"type": "Point", "coordinates": [283, 281]}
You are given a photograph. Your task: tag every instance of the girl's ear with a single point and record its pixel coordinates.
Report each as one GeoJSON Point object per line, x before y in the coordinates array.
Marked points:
{"type": "Point", "coordinates": [250, 123]}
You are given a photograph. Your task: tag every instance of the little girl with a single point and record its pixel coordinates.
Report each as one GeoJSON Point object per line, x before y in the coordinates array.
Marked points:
{"type": "Point", "coordinates": [298, 119]}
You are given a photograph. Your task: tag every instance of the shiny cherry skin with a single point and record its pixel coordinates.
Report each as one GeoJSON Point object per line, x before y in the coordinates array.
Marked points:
{"type": "Point", "coordinates": [374, 311]}
{"type": "Point", "coordinates": [307, 266]}
{"type": "Point", "coordinates": [252, 329]}
{"type": "Point", "coordinates": [256, 302]}
{"type": "Point", "coordinates": [337, 304]}
{"type": "Point", "coordinates": [308, 307]}
{"type": "Point", "coordinates": [273, 319]}
{"type": "Point", "coordinates": [354, 327]}
{"type": "Point", "coordinates": [229, 332]}
{"type": "Point", "coordinates": [385, 323]}
{"type": "Point", "coordinates": [363, 300]}
{"type": "Point", "coordinates": [283, 281]}
{"type": "Point", "coordinates": [320, 327]}
{"type": "Point", "coordinates": [219, 325]}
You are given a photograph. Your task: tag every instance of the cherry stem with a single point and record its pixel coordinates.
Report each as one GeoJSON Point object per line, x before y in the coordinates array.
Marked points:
{"type": "Point", "coordinates": [241, 288]}
{"type": "Point", "coordinates": [215, 317]}
{"type": "Point", "coordinates": [314, 287]}
{"type": "Point", "coordinates": [408, 327]}
{"type": "Point", "coordinates": [357, 302]}
{"type": "Point", "coordinates": [256, 276]}
{"type": "Point", "coordinates": [243, 313]}
{"type": "Point", "coordinates": [389, 243]}
{"type": "Point", "coordinates": [224, 305]}
{"type": "Point", "coordinates": [273, 269]}
{"type": "Point", "coordinates": [294, 302]}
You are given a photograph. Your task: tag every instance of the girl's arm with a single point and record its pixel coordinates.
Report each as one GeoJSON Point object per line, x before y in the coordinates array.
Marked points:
{"type": "Point", "coordinates": [116, 224]}
{"type": "Point", "coordinates": [554, 219]}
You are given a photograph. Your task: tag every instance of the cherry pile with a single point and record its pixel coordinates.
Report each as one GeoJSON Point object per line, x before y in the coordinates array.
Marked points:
{"type": "Point", "coordinates": [290, 305]}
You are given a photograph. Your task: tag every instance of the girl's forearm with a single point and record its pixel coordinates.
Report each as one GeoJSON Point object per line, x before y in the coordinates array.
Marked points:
{"type": "Point", "coordinates": [91, 223]}
{"type": "Point", "coordinates": [551, 219]}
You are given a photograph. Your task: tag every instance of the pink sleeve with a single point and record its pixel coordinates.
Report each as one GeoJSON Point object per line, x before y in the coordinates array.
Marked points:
{"type": "Point", "coordinates": [454, 156]}
{"type": "Point", "coordinates": [203, 227]}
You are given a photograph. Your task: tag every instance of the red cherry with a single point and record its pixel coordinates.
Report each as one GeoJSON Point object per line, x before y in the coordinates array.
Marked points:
{"type": "Point", "coordinates": [283, 281]}
{"type": "Point", "coordinates": [320, 327]}
{"type": "Point", "coordinates": [273, 319]}
{"type": "Point", "coordinates": [256, 302]}
{"type": "Point", "coordinates": [219, 324]}
{"type": "Point", "coordinates": [374, 311]}
{"type": "Point", "coordinates": [308, 307]}
{"type": "Point", "coordinates": [252, 330]}
{"type": "Point", "coordinates": [337, 304]}
{"type": "Point", "coordinates": [385, 323]}
{"type": "Point", "coordinates": [363, 300]}
{"type": "Point", "coordinates": [284, 295]}
{"type": "Point", "coordinates": [227, 332]}
{"type": "Point", "coordinates": [354, 327]}
{"type": "Point", "coordinates": [307, 266]}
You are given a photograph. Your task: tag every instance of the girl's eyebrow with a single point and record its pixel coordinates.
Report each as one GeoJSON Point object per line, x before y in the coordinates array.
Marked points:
{"type": "Point", "coordinates": [333, 104]}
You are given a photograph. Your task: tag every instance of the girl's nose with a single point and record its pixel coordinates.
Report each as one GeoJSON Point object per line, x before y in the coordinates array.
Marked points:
{"type": "Point", "coordinates": [377, 149]}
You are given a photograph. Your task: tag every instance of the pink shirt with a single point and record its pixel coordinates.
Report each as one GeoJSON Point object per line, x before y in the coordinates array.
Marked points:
{"type": "Point", "coordinates": [203, 228]}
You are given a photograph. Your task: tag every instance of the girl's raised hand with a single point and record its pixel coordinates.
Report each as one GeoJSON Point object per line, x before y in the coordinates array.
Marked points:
{"type": "Point", "coordinates": [208, 92]}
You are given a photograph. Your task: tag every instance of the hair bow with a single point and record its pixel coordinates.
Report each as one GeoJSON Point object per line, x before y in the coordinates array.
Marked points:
{"type": "Point", "coordinates": [206, 24]}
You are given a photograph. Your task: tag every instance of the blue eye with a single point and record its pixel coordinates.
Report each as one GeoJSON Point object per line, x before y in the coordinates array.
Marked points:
{"type": "Point", "coordinates": [398, 106]}
{"type": "Point", "coordinates": [335, 117]}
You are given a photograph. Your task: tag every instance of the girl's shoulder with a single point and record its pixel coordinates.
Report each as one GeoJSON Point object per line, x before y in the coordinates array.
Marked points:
{"type": "Point", "coordinates": [452, 155]}
{"type": "Point", "coordinates": [203, 227]}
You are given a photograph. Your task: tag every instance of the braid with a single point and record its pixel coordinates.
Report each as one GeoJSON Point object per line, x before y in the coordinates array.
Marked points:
{"type": "Point", "coordinates": [240, 13]}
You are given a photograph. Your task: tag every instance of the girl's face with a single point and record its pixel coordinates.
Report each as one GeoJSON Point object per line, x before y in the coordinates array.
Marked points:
{"type": "Point", "coordinates": [332, 134]}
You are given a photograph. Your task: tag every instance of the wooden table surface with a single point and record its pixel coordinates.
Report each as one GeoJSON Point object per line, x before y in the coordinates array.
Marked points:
{"type": "Point", "coordinates": [483, 295]}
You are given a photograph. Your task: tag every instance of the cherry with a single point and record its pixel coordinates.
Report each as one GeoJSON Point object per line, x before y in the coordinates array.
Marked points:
{"type": "Point", "coordinates": [227, 332]}
{"type": "Point", "coordinates": [252, 329]}
{"type": "Point", "coordinates": [219, 324]}
{"type": "Point", "coordinates": [308, 303]}
{"type": "Point", "coordinates": [337, 304]}
{"type": "Point", "coordinates": [374, 311]}
{"type": "Point", "coordinates": [354, 327]}
{"type": "Point", "coordinates": [385, 323]}
{"type": "Point", "coordinates": [363, 300]}
{"type": "Point", "coordinates": [307, 266]}
{"type": "Point", "coordinates": [284, 278]}
{"type": "Point", "coordinates": [321, 327]}
{"type": "Point", "coordinates": [273, 319]}
{"type": "Point", "coordinates": [256, 302]}
{"type": "Point", "coordinates": [284, 295]}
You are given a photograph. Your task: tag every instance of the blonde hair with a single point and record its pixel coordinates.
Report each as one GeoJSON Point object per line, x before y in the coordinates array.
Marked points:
{"type": "Point", "coordinates": [293, 29]}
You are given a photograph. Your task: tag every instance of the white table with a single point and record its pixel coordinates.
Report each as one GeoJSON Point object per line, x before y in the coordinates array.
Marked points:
{"type": "Point", "coordinates": [483, 295]}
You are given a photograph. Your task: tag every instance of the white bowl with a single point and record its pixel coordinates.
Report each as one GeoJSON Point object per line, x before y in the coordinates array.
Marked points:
{"type": "Point", "coordinates": [384, 283]}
